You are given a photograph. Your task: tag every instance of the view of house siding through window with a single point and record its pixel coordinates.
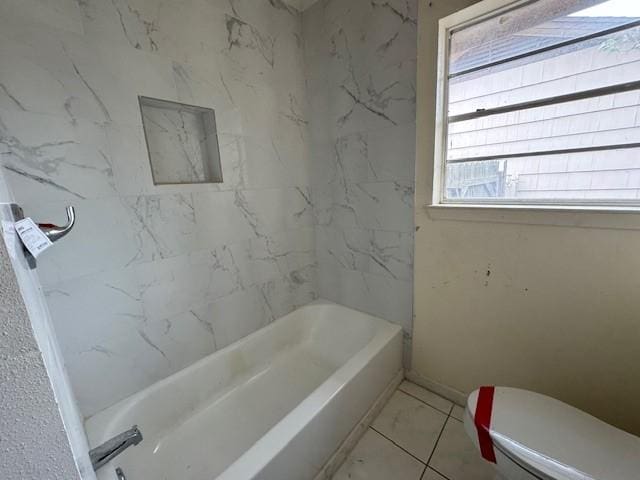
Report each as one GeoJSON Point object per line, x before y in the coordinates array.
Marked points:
{"type": "Point", "coordinates": [581, 149]}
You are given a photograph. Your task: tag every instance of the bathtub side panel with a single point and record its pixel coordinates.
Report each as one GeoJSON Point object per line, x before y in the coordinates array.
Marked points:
{"type": "Point", "coordinates": [310, 449]}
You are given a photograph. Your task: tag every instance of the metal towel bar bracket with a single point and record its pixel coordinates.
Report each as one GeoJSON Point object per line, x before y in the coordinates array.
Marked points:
{"type": "Point", "coordinates": [13, 212]}
{"type": "Point", "coordinates": [54, 232]}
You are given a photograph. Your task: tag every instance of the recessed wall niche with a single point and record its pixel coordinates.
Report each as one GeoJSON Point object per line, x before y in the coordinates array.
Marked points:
{"type": "Point", "coordinates": [182, 142]}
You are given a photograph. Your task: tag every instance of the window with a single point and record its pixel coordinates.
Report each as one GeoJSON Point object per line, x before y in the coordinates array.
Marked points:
{"type": "Point", "coordinates": [539, 103]}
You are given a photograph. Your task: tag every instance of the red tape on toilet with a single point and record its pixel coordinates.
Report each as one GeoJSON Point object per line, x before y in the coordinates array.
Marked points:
{"type": "Point", "coordinates": [482, 420]}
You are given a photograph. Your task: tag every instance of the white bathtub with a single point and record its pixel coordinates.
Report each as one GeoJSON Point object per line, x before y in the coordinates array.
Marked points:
{"type": "Point", "coordinates": [274, 406]}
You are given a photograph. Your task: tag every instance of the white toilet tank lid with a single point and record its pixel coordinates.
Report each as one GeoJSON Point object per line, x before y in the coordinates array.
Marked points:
{"type": "Point", "coordinates": [552, 438]}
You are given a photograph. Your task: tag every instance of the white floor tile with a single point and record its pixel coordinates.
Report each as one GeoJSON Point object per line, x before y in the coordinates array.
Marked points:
{"type": "Point", "coordinates": [376, 458]}
{"type": "Point", "coordinates": [436, 401]}
{"type": "Point", "coordinates": [458, 412]}
{"type": "Point", "coordinates": [457, 458]}
{"type": "Point", "coordinates": [432, 475]}
{"type": "Point", "coordinates": [411, 424]}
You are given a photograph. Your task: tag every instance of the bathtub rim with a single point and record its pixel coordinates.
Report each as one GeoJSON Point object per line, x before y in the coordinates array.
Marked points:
{"type": "Point", "coordinates": [264, 449]}
{"type": "Point", "coordinates": [95, 422]}
{"type": "Point", "coordinates": [97, 425]}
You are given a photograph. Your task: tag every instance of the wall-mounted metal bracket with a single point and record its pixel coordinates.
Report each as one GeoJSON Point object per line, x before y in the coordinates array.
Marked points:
{"type": "Point", "coordinates": [53, 232]}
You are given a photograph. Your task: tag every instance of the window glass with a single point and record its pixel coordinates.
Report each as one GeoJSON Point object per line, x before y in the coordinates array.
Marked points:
{"type": "Point", "coordinates": [543, 104]}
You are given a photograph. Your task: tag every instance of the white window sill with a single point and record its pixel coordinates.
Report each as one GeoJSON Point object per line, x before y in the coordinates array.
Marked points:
{"type": "Point", "coordinates": [606, 217]}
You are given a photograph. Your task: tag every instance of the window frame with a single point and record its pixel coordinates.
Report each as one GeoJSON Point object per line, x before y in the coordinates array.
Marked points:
{"type": "Point", "coordinates": [469, 16]}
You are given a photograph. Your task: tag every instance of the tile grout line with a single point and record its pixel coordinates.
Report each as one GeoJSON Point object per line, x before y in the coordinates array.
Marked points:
{"type": "Point", "coordinates": [399, 446]}
{"type": "Point", "coordinates": [435, 446]}
{"type": "Point", "coordinates": [438, 472]}
{"type": "Point", "coordinates": [428, 404]}
{"type": "Point", "coordinates": [426, 467]}
{"type": "Point", "coordinates": [448, 414]}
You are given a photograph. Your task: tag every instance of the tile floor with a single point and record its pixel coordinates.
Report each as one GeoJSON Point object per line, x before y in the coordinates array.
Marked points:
{"type": "Point", "coordinates": [418, 435]}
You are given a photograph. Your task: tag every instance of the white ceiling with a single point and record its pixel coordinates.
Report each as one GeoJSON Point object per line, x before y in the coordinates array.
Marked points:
{"type": "Point", "coordinates": [300, 4]}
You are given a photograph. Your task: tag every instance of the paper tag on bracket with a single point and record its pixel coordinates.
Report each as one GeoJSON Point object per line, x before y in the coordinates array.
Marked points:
{"type": "Point", "coordinates": [32, 237]}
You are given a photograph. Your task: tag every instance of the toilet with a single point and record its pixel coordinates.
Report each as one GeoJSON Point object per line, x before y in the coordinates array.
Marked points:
{"type": "Point", "coordinates": [531, 436]}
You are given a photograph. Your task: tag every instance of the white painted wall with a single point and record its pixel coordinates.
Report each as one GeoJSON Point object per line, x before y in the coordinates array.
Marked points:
{"type": "Point", "coordinates": [541, 300]}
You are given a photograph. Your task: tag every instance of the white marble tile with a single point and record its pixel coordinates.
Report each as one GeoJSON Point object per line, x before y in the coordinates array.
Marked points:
{"type": "Point", "coordinates": [41, 77]}
{"type": "Point", "coordinates": [265, 42]}
{"type": "Point", "coordinates": [319, 123]}
{"type": "Point", "coordinates": [391, 153]}
{"type": "Point", "coordinates": [378, 206]}
{"type": "Point", "coordinates": [430, 398]}
{"type": "Point", "coordinates": [284, 294]}
{"type": "Point", "coordinates": [6, 193]}
{"type": "Point", "coordinates": [411, 424]}
{"type": "Point", "coordinates": [225, 217]}
{"type": "Point", "coordinates": [376, 458]}
{"type": "Point", "coordinates": [102, 239]}
{"type": "Point", "coordinates": [456, 457]}
{"type": "Point", "coordinates": [182, 143]}
{"type": "Point", "coordinates": [131, 168]}
{"type": "Point", "coordinates": [180, 340]}
{"type": "Point", "coordinates": [272, 210]}
{"type": "Point", "coordinates": [62, 14]}
{"type": "Point", "coordinates": [316, 39]}
{"type": "Point", "coordinates": [132, 172]}
{"type": "Point", "coordinates": [381, 296]}
{"type": "Point", "coordinates": [183, 30]}
{"type": "Point", "coordinates": [113, 369]}
{"type": "Point", "coordinates": [242, 249]}
{"type": "Point", "coordinates": [250, 46]}
{"type": "Point", "coordinates": [272, 16]}
{"type": "Point", "coordinates": [232, 317]}
{"type": "Point", "coordinates": [366, 36]}
{"type": "Point", "coordinates": [48, 160]}
{"type": "Point", "coordinates": [380, 100]}
{"type": "Point", "coordinates": [77, 77]}
{"type": "Point", "coordinates": [163, 226]}
{"type": "Point", "coordinates": [278, 254]}
{"type": "Point", "coordinates": [431, 474]}
{"type": "Point", "coordinates": [115, 77]}
{"type": "Point", "coordinates": [204, 84]}
{"type": "Point", "coordinates": [386, 154]}
{"type": "Point", "coordinates": [173, 286]}
{"type": "Point", "coordinates": [391, 254]}
{"type": "Point", "coordinates": [245, 247]}
{"type": "Point", "coordinates": [90, 309]}
{"type": "Point", "coordinates": [233, 161]}
{"type": "Point", "coordinates": [457, 412]}
{"type": "Point", "coordinates": [378, 252]}
{"type": "Point", "coordinates": [274, 163]}
{"type": "Point", "coordinates": [360, 68]}
{"type": "Point", "coordinates": [264, 108]}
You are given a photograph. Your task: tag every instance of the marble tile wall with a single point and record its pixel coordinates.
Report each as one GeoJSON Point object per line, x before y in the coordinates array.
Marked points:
{"type": "Point", "coordinates": [360, 60]}
{"type": "Point", "coordinates": [182, 142]}
{"type": "Point", "coordinates": [154, 278]}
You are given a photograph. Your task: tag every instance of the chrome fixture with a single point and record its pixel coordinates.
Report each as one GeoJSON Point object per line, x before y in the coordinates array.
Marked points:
{"type": "Point", "coordinates": [14, 212]}
{"type": "Point", "coordinates": [110, 449]}
{"type": "Point", "coordinates": [54, 232]}
{"type": "Point", "coordinates": [120, 474]}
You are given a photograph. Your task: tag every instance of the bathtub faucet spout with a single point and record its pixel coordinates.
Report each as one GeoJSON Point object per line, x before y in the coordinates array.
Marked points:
{"type": "Point", "coordinates": [110, 449]}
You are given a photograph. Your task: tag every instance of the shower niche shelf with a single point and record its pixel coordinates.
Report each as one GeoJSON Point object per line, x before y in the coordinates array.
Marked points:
{"type": "Point", "coordinates": [182, 142]}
